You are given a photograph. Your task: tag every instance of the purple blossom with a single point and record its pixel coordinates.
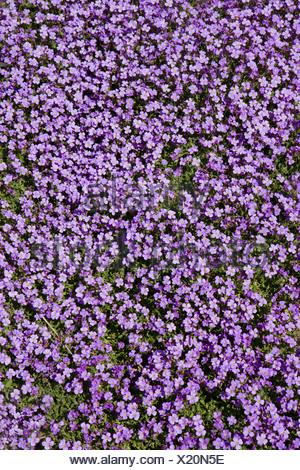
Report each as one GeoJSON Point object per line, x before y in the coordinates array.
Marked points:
{"type": "Point", "coordinates": [47, 443]}
{"type": "Point", "coordinates": [149, 250]}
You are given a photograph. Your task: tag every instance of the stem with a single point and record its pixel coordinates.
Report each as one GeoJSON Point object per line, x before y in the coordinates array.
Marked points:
{"type": "Point", "coordinates": [54, 331]}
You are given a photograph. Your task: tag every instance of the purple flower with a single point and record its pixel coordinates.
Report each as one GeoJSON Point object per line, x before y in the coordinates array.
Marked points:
{"type": "Point", "coordinates": [231, 420]}
{"type": "Point", "coordinates": [106, 437]}
{"type": "Point", "coordinates": [33, 439]}
{"type": "Point", "coordinates": [77, 445]}
{"type": "Point", "coordinates": [15, 395]}
{"type": "Point", "coordinates": [236, 442]}
{"type": "Point", "coordinates": [218, 443]}
{"type": "Point", "coordinates": [150, 210]}
{"type": "Point", "coordinates": [47, 400]}
{"type": "Point", "coordinates": [296, 443]}
{"type": "Point", "coordinates": [226, 434]}
{"type": "Point", "coordinates": [261, 439]}
{"type": "Point", "coordinates": [48, 443]}
{"type": "Point", "coordinates": [64, 444]}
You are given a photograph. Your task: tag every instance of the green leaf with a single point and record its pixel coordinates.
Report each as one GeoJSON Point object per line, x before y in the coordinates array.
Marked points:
{"type": "Point", "coordinates": [8, 383]}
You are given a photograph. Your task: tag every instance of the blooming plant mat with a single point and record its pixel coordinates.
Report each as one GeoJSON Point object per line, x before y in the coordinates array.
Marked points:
{"type": "Point", "coordinates": [149, 214]}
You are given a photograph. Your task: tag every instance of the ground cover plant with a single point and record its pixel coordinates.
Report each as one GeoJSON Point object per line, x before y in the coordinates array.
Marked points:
{"type": "Point", "coordinates": [145, 146]}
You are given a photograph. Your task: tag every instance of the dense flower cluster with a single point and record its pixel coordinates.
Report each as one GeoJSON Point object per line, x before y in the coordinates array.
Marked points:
{"type": "Point", "coordinates": [142, 93]}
